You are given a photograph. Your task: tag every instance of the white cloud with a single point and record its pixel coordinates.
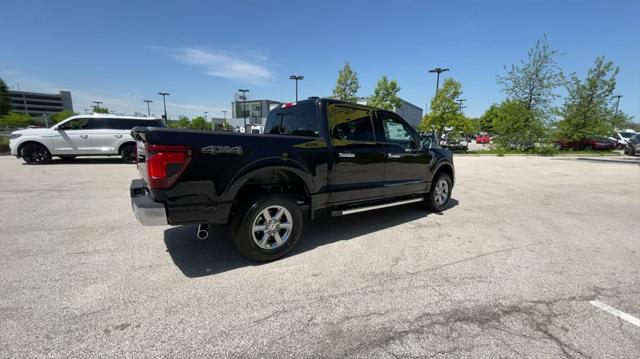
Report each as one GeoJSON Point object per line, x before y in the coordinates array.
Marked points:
{"type": "Point", "coordinates": [224, 64]}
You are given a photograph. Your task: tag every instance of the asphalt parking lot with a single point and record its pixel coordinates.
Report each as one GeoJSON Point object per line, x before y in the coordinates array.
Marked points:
{"type": "Point", "coordinates": [509, 270]}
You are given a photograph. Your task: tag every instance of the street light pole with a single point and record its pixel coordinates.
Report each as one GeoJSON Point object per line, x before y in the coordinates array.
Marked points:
{"type": "Point", "coordinates": [206, 118]}
{"type": "Point", "coordinates": [244, 111]}
{"type": "Point", "coordinates": [148, 108]}
{"type": "Point", "coordinates": [224, 114]}
{"type": "Point", "coordinates": [164, 103]}
{"type": "Point", "coordinates": [297, 78]}
{"type": "Point", "coordinates": [438, 71]}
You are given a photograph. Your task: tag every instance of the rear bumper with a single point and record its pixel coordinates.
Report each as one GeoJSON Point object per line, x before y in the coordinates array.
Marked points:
{"type": "Point", "coordinates": [147, 211]}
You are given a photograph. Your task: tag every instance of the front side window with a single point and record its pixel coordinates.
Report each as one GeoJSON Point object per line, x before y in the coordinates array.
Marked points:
{"type": "Point", "coordinates": [397, 131]}
{"type": "Point", "coordinates": [75, 124]}
{"type": "Point", "coordinates": [350, 124]}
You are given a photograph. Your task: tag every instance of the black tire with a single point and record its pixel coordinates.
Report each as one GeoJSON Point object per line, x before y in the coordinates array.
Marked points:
{"type": "Point", "coordinates": [128, 152]}
{"type": "Point", "coordinates": [35, 154]}
{"type": "Point", "coordinates": [67, 158]}
{"type": "Point", "coordinates": [255, 245]}
{"type": "Point", "coordinates": [434, 200]}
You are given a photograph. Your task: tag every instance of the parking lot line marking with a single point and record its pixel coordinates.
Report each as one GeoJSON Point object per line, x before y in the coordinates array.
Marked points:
{"type": "Point", "coordinates": [620, 314]}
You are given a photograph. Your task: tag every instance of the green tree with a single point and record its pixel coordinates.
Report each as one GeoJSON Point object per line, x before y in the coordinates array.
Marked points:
{"type": "Point", "coordinates": [488, 118]}
{"type": "Point", "coordinates": [385, 95]}
{"type": "Point", "coordinates": [347, 85]}
{"type": "Point", "coordinates": [5, 102]}
{"type": "Point", "coordinates": [445, 111]}
{"type": "Point", "coordinates": [516, 126]}
{"type": "Point", "coordinates": [588, 109]}
{"type": "Point", "coordinates": [15, 119]}
{"type": "Point", "coordinates": [200, 123]}
{"type": "Point", "coordinates": [61, 116]}
{"type": "Point", "coordinates": [100, 110]}
{"type": "Point", "coordinates": [531, 85]}
{"type": "Point", "coordinates": [623, 121]}
{"type": "Point", "coordinates": [183, 122]}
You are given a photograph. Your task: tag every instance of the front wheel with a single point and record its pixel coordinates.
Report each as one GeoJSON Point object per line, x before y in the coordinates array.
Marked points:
{"type": "Point", "coordinates": [267, 227]}
{"type": "Point", "coordinates": [128, 153]}
{"type": "Point", "coordinates": [35, 154]}
{"type": "Point", "coordinates": [438, 197]}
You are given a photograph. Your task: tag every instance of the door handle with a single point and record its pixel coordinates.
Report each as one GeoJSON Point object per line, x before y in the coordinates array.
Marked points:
{"type": "Point", "coordinates": [84, 136]}
{"type": "Point", "coordinates": [392, 155]}
{"type": "Point", "coordinates": [118, 136]}
{"type": "Point", "coordinates": [346, 155]}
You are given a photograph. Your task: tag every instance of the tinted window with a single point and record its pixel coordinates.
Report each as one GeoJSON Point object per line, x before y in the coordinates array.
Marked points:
{"type": "Point", "coordinates": [350, 124]}
{"type": "Point", "coordinates": [397, 131]}
{"type": "Point", "coordinates": [295, 121]}
{"type": "Point", "coordinates": [75, 124]}
{"type": "Point", "coordinates": [101, 123]}
{"type": "Point", "coordinates": [127, 124]}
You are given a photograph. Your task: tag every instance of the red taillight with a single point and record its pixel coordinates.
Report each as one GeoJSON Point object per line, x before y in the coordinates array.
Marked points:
{"type": "Point", "coordinates": [165, 164]}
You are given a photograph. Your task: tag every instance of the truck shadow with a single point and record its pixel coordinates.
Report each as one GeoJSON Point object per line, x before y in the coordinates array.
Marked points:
{"type": "Point", "coordinates": [198, 258]}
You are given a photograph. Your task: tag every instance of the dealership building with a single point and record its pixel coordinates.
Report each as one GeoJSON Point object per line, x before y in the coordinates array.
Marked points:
{"type": "Point", "coordinates": [40, 104]}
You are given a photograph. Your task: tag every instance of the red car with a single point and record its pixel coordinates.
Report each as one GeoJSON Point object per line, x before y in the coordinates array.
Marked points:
{"type": "Point", "coordinates": [598, 143]}
{"type": "Point", "coordinates": [483, 137]}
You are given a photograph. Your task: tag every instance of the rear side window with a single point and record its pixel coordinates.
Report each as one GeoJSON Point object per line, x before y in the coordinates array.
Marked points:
{"type": "Point", "coordinates": [298, 120]}
{"type": "Point", "coordinates": [127, 124]}
{"type": "Point", "coordinates": [350, 124]}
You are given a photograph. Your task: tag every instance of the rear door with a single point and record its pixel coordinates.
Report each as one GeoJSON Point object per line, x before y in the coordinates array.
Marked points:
{"type": "Point", "coordinates": [358, 161]}
{"type": "Point", "coordinates": [407, 165]}
{"type": "Point", "coordinates": [72, 137]}
{"type": "Point", "coordinates": [104, 134]}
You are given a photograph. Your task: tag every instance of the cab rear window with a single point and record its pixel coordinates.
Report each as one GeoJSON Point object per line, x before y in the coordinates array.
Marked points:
{"type": "Point", "coordinates": [297, 120]}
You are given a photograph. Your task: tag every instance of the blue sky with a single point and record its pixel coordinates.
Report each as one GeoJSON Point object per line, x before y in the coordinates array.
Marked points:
{"type": "Point", "coordinates": [121, 52]}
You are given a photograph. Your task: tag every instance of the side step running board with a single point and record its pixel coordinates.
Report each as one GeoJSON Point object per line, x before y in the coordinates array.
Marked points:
{"type": "Point", "coordinates": [378, 206]}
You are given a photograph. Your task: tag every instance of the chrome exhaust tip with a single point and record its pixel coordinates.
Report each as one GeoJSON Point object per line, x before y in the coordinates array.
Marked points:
{"type": "Point", "coordinates": [203, 231]}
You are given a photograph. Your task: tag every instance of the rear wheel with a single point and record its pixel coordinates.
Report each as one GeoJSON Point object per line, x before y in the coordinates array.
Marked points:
{"type": "Point", "coordinates": [267, 228]}
{"type": "Point", "coordinates": [128, 152]}
{"type": "Point", "coordinates": [35, 154]}
{"type": "Point", "coordinates": [438, 197]}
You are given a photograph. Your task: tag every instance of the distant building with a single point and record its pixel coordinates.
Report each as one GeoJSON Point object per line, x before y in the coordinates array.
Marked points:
{"type": "Point", "coordinates": [408, 111]}
{"type": "Point", "coordinates": [255, 111]}
{"type": "Point", "coordinates": [39, 104]}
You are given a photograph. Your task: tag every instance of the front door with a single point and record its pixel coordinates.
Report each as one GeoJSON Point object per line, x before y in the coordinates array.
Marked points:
{"type": "Point", "coordinates": [358, 163]}
{"type": "Point", "coordinates": [72, 137]}
{"type": "Point", "coordinates": [104, 134]}
{"type": "Point", "coordinates": [407, 164]}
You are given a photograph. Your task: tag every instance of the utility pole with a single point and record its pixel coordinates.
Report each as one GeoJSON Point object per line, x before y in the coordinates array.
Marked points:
{"type": "Point", "coordinates": [460, 101]}
{"type": "Point", "coordinates": [297, 78]}
{"type": "Point", "coordinates": [148, 108]}
{"type": "Point", "coordinates": [244, 111]}
{"type": "Point", "coordinates": [615, 113]}
{"type": "Point", "coordinates": [164, 102]}
{"type": "Point", "coordinates": [97, 106]}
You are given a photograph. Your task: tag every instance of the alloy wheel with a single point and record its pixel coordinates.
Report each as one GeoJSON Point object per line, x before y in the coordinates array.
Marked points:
{"type": "Point", "coordinates": [272, 227]}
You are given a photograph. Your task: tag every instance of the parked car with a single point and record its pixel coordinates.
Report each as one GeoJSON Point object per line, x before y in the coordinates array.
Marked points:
{"type": "Point", "coordinates": [316, 155]}
{"type": "Point", "coordinates": [633, 145]}
{"type": "Point", "coordinates": [597, 143]}
{"type": "Point", "coordinates": [622, 137]}
{"type": "Point", "coordinates": [455, 141]}
{"type": "Point", "coordinates": [83, 135]}
{"type": "Point", "coordinates": [483, 138]}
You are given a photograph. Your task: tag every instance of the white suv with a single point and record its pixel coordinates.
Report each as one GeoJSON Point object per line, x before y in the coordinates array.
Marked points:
{"type": "Point", "coordinates": [83, 135]}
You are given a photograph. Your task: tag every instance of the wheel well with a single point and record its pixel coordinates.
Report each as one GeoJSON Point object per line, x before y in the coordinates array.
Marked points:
{"type": "Point", "coordinates": [28, 142]}
{"type": "Point", "coordinates": [274, 181]}
{"type": "Point", "coordinates": [125, 144]}
{"type": "Point", "coordinates": [445, 169]}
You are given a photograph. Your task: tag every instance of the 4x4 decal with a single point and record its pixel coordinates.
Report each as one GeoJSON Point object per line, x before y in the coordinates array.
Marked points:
{"type": "Point", "coordinates": [217, 150]}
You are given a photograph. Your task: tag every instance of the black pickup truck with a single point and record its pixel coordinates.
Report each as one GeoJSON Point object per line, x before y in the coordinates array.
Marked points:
{"type": "Point", "coordinates": [315, 155]}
